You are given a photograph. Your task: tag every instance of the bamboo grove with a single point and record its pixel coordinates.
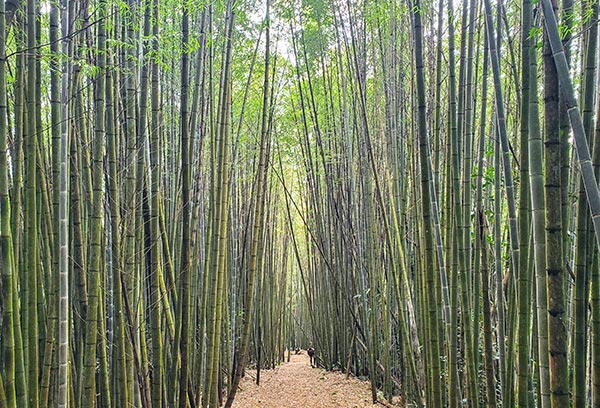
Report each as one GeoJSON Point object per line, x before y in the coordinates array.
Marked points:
{"type": "Point", "coordinates": [189, 189]}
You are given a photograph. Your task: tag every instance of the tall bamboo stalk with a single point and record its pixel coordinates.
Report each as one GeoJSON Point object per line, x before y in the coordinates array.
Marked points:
{"type": "Point", "coordinates": [525, 275]}
{"type": "Point", "coordinates": [538, 208]}
{"type": "Point", "coordinates": [92, 322]}
{"type": "Point", "coordinates": [30, 292]}
{"type": "Point", "coordinates": [8, 376]}
{"type": "Point", "coordinates": [63, 229]}
{"type": "Point", "coordinates": [436, 391]}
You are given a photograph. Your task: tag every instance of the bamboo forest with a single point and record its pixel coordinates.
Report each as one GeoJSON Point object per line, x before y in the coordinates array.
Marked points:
{"type": "Point", "coordinates": [197, 195]}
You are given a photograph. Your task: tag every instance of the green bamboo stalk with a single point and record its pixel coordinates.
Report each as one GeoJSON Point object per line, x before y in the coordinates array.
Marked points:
{"type": "Point", "coordinates": [481, 229]}
{"type": "Point", "coordinates": [219, 222]}
{"type": "Point", "coordinates": [568, 177]}
{"type": "Point", "coordinates": [524, 284]}
{"type": "Point", "coordinates": [63, 223]}
{"type": "Point", "coordinates": [595, 278]}
{"type": "Point", "coordinates": [581, 145]}
{"type": "Point", "coordinates": [130, 193]}
{"type": "Point", "coordinates": [119, 387]}
{"type": "Point", "coordinates": [185, 264]}
{"type": "Point", "coordinates": [468, 135]}
{"type": "Point", "coordinates": [80, 291]}
{"type": "Point", "coordinates": [436, 391]}
{"type": "Point", "coordinates": [453, 206]}
{"type": "Point", "coordinates": [585, 250]}
{"type": "Point", "coordinates": [8, 376]}
{"type": "Point", "coordinates": [31, 259]}
{"type": "Point", "coordinates": [51, 348]}
{"type": "Point", "coordinates": [92, 323]}
{"type": "Point", "coordinates": [508, 182]}
{"type": "Point", "coordinates": [465, 136]}
{"type": "Point", "coordinates": [487, 321]}
{"type": "Point", "coordinates": [555, 266]}
{"type": "Point", "coordinates": [500, 301]}
{"type": "Point", "coordinates": [155, 247]}
{"type": "Point", "coordinates": [501, 119]}
{"type": "Point", "coordinates": [538, 208]}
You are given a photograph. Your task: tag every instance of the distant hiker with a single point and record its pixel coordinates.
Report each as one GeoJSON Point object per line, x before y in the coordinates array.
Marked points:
{"type": "Point", "coordinates": [297, 351]}
{"type": "Point", "coordinates": [313, 358]}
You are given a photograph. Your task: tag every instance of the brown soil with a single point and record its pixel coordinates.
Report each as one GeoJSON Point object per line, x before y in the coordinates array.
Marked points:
{"type": "Point", "coordinates": [297, 385]}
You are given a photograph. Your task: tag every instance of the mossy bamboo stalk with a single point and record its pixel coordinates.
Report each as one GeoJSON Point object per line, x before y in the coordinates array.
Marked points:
{"type": "Point", "coordinates": [31, 258]}
{"type": "Point", "coordinates": [6, 249]}
{"type": "Point", "coordinates": [92, 321]}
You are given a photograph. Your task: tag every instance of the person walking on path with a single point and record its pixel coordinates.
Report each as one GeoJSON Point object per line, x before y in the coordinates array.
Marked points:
{"type": "Point", "coordinates": [311, 354]}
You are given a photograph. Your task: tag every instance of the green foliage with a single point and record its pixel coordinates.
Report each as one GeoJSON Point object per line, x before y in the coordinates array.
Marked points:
{"type": "Point", "coordinates": [317, 10]}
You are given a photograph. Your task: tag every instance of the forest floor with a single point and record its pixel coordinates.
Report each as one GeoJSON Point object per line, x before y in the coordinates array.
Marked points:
{"type": "Point", "coordinates": [297, 385]}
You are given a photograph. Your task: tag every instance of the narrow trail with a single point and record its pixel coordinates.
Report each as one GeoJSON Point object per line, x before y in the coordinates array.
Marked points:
{"type": "Point", "coordinates": [297, 385]}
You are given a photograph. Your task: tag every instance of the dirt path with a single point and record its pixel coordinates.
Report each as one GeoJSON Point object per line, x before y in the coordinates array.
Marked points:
{"type": "Point", "coordinates": [297, 385]}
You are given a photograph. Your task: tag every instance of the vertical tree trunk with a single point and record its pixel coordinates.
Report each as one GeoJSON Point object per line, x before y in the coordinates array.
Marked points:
{"type": "Point", "coordinates": [538, 209]}
{"type": "Point", "coordinates": [64, 330]}
{"type": "Point", "coordinates": [557, 324]}
{"type": "Point", "coordinates": [92, 322]}
{"type": "Point", "coordinates": [184, 267]}
{"type": "Point", "coordinates": [31, 259]}
{"type": "Point", "coordinates": [585, 249]}
{"type": "Point", "coordinates": [155, 238]}
{"type": "Point", "coordinates": [436, 390]}
{"type": "Point", "coordinates": [7, 278]}
{"type": "Point", "coordinates": [524, 279]}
